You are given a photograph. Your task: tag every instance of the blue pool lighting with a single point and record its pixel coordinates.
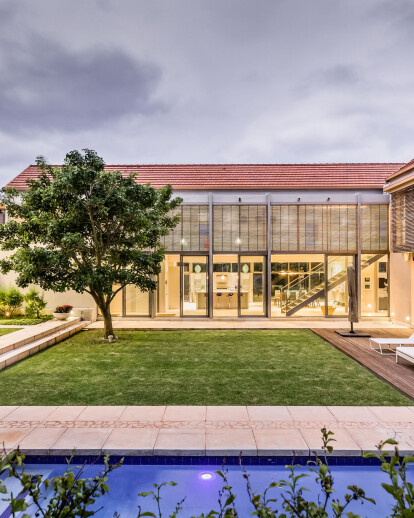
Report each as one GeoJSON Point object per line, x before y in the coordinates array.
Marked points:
{"type": "Point", "coordinates": [207, 475]}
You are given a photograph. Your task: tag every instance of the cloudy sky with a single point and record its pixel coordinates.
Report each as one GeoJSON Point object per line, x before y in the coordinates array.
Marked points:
{"type": "Point", "coordinates": [194, 81]}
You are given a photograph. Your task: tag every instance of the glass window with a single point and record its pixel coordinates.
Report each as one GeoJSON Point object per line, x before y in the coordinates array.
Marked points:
{"type": "Point", "coordinates": [225, 286]}
{"type": "Point", "coordinates": [298, 287]}
{"type": "Point", "coordinates": [168, 292]}
{"type": "Point", "coordinates": [337, 281]}
{"type": "Point", "coordinates": [195, 287]}
{"type": "Point", "coordinates": [136, 301]}
{"type": "Point", "coordinates": [374, 285]}
{"type": "Point", "coordinates": [252, 286]}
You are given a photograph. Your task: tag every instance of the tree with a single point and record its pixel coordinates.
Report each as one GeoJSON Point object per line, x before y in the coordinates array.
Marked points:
{"type": "Point", "coordinates": [80, 227]}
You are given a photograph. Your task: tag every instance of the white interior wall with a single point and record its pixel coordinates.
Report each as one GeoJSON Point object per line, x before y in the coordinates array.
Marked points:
{"type": "Point", "coordinates": [401, 288]}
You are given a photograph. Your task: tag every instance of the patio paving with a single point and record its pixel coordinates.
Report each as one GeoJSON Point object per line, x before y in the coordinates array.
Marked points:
{"type": "Point", "coordinates": [202, 430]}
{"type": "Point", "coordinates": [242, 323]}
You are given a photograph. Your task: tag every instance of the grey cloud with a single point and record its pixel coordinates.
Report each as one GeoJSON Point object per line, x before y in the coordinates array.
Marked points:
{"type": "Point", "coordinates": [339, 75]}
{"type": "Point", "coordinates": [400, 12]}
{"type": "Point", "coordinates": [48, 87]}
{"type": "Point", "coordinates": [7, 11]}
{"type": "Point", "coordinates": [268, 81]}
{"type": "Point", "coordinates": [334, 78]}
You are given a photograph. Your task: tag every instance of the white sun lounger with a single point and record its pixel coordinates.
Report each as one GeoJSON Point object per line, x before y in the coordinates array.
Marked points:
{"type": "Point", "coordinates": [378, 344]}
{"type": "Point", "coordinates": [407, 353]}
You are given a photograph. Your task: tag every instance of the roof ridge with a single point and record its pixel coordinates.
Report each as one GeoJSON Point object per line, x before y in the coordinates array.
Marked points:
{"type": "Point", "coordinates": [261, 164]}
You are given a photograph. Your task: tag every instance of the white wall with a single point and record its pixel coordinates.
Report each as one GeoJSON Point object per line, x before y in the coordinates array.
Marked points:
{"type": "Point", "coordinates": [401, 289]}
{"type": "Point", "coordinates": [53, 299]}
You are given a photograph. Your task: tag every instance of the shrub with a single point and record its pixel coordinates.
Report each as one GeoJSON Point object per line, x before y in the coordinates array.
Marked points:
{"type": "Point", "coordinates": [11, 300]}
{"type": "Point", "coordinates": [64, 309]}
{"type": "Point", "coordinates": [35, 303]}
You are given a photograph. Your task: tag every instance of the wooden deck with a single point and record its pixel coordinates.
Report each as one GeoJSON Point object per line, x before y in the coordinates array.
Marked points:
{"type": "Point", "coordinates": [400, 375]}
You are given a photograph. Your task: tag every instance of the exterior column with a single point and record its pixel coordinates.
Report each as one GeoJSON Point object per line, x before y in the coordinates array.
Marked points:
{"type": "Point", "coordinates": [358, 262]}
{"type": "Point", "coordinates": [210, 255]}
{"type": "Point", "coordinates": [268, 278]}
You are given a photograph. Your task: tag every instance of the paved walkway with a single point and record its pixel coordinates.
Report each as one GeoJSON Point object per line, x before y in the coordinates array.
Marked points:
{"type": "Point", "coordinates": [201, 430]}
{"type": "Point", "coordinates": [241, 324]}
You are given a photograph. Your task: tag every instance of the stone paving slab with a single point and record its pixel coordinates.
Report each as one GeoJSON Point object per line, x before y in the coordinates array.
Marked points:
{"type": "Point", "coordinates": [202, 430]}
{"type": "Point", "coordinates": [240, 323]}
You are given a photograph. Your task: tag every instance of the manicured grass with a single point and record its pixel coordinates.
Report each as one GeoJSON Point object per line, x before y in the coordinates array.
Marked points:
{"type": "Point", "coordinates": [249, 367]}
{"type": "Point", "coordinates": [7, 330]}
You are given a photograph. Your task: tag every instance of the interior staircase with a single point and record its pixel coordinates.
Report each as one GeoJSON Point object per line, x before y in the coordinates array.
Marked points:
{"type": "Point", "coordinates": [32, 339]}
{"type": "Point", "coordinates": [291, 306]}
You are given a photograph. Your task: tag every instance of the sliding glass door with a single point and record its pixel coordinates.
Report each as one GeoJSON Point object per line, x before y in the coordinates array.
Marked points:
{"type": "Point", "coordinates": [239, 285]}
{"type": "Point", "coordinates": [252, 292]}
{"type": "Point", "coordinates": [194, 286]}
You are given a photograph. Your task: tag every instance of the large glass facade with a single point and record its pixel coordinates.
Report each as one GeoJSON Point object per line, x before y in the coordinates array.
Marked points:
{"type": "Point", "coordinates": [277, 260]}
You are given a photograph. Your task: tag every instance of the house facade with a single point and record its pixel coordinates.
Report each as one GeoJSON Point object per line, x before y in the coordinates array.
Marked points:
{"type": "Point", "coordinates": [267, 241]}
{"type": "Point", "coordinates": [400, 187]}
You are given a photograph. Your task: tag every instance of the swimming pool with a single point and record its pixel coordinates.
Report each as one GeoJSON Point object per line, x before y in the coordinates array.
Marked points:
{"type": "Point", "coordinates": [200, 485]}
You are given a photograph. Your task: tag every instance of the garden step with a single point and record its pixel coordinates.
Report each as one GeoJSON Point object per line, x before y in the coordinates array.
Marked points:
{"type": "Point", "coordinates": [35, 346]}
{"type": "Point", "coordinates": [31, 333]}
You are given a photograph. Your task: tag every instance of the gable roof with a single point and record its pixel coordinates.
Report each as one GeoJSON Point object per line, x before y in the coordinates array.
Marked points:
{"type": "Point", "coordinates": [248, 176]}
{"type": "Point", "coordinates": [405, 168]}
{"type": "Point", "coordinates": [400, 179]}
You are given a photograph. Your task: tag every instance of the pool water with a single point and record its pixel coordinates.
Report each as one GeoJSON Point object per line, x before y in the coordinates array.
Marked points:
{"type": "Point", "coordinates": [200, 486]}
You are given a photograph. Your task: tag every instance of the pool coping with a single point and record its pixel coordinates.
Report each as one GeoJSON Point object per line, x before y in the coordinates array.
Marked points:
{"type": "Point", "coordinates": [181, 460]}
{"type": "Point", "coordinates": [202, 431]}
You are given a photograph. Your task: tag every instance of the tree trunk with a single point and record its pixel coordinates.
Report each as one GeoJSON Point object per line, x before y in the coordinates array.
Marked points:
{"type": "Point", "coordinates": [109, 330]}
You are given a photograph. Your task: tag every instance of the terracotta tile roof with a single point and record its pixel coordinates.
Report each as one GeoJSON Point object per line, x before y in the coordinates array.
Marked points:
{"type": "Point", "coordinates": [249, 176]}
{"type": "Point", "coordinates": [405, 168]}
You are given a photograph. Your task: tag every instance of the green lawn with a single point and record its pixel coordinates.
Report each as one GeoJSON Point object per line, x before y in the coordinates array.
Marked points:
{"type": "Point", "coordinates": [284, 367]}
{"type": "Point", "coordinates": [7, 330]}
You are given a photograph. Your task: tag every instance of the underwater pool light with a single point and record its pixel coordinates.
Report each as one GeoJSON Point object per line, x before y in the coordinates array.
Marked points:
{"type": "Point", "coordinates": [206, 475]}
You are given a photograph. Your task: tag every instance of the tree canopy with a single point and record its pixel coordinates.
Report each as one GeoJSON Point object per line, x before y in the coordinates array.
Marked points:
{"type": "Point", "coordinates": [80, 227]}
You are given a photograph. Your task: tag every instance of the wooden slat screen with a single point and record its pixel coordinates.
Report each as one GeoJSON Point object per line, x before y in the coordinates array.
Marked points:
{"type": "Point", "coordinates": [239, 228]}
{"type": "Point", "coordinates": [191, 233]}
{"type": "Point", "coordinates": [314, 228]}
{"type": "Point", "coordinates": [402, 220]}
{"type": "Point", "coordinates": [295, 228]}
{"type": "Point", "coordinates": [374, 227]}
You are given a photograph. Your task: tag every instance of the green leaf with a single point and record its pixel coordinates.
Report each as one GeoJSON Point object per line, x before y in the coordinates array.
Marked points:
{"type": "Point", "coordinates": [19, 505]}
{"type": "Point", "coordinates": [230, 500]}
